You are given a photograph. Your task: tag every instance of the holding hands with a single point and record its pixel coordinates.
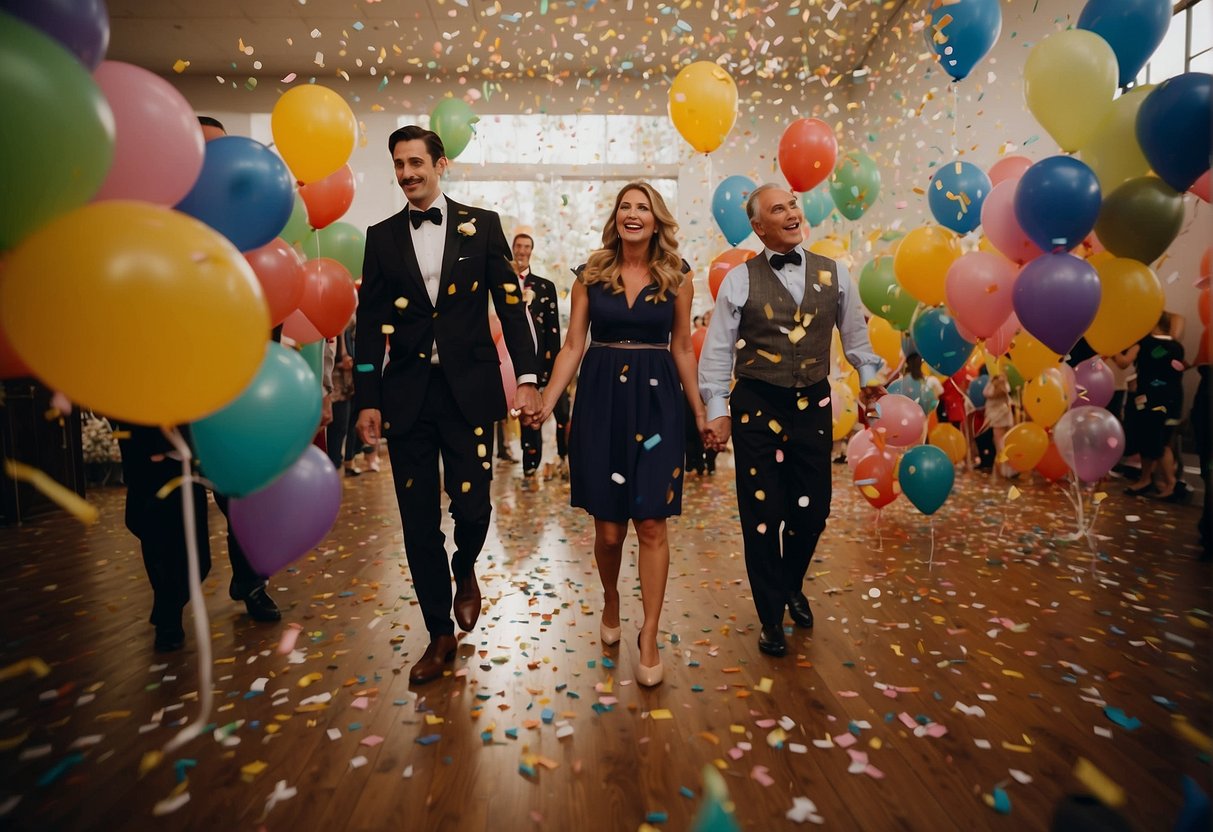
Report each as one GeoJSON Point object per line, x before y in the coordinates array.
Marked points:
{"type": "Point", "coordinates": [716, 432]}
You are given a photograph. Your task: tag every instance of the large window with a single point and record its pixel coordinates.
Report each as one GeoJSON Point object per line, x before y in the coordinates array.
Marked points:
{"type": "Point", "coordinates": [1187, 46]}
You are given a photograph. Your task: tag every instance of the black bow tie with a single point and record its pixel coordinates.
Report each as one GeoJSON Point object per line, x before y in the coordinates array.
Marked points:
{"type": "Point", "coordinates": [434, 215]}
{"type": "Point", "coordinates": [778, 261]}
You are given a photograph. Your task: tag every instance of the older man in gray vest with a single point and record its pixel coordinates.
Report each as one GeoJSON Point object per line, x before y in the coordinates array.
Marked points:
{"type": "Point", "coordinates": [772, 328]}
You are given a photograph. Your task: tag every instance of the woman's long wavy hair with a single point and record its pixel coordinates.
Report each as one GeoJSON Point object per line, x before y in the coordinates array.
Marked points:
{"type": "Point", "coordinates": [665, 263]}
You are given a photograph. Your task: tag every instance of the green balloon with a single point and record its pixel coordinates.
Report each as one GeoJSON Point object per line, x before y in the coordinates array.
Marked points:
{"type": "Point", "coordinates": [883, 295]}
{"type": "Point", "coordinates": [452, 120]}
{"type": "Point", "coordinates": [296, 229]}
{"type": "Point", "coordinates": [1014, 378]}
{"type": "Point", "coordinates": [855, 184]}
{"type": "Point", "coordinates": [313, 354]}
{"type": "Point", "coordinates": [341, 242]}
{"type": "Point", "coordinates": [1140, 219]}
{"type": "Point", "coordinates": [56, 131]}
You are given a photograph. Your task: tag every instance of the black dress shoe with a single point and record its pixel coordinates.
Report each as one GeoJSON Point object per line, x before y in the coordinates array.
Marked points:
{"type": "Point", "coordinates": [261, 606]}
{"type": "Point", "coordinates": [169, 639]}
{"type": "Point", "coordinates": [771, 641]}
{"type": "Point", "coordinates": [433, 662]}
{"type": "Point", "coordinates": [801, 612]}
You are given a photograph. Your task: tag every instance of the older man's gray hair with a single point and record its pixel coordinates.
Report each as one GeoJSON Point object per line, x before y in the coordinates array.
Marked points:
{"type": "Point", "coordinates": [751, 203]}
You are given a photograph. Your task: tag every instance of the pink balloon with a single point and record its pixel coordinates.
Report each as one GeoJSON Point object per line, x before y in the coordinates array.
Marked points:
{"type": "Point", "coordinates": [279, 270]}
{"type": "Point", "coordinates": [902, 420]}
{"type": "Point", "coordinates": [1201, 186]}
{"type": "Point", "coordinates": [1090, 440]}
{"type": "Point", "coordinates": [158, 146]}
{"type": "Point", "coordinates": [1002, 228]}
{"type": "Point", "coordinates": [1095, 382]}
{"type": "Point", "coordinates": [300, 330]}
{"type": "Point", "coordinates": [509, 383]}
{"type": "Point", "coordinates": [978, 290]}
{"type": "Point", "coordinates": [1069, 382]}
{"type": "Point", "coordinates": [861, 444]}
{"type": "Point", "coordinates": [1008, 168]}
{"type": "Point", "coordinates": [998, 343]}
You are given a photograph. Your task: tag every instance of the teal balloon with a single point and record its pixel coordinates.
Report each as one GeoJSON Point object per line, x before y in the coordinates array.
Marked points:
{"type": "Point", "coordinates": [341, 242]}
{"type": "Point", "coordinates": [916, 391]}
{"type": "Point", "coordinates": [883, 295]}
{"type": "Point", "coordinates": [855, 184]}
{"type": "Point", "coordinates": [817, 204]}
{"type": "Point", "coordinates": [452, 120]}
{"type": "Point", "coordinates": [56, 131]}
{"type": "Point", "coordinates": [296, 229]}
{"type": "Point", "coordinates": [926, 476]}
{"type": "Point", "coordinates": [249, 443]}
{"type": "Point", "coordinates": [313, 354]}
{"type": "Point", "coordinates": [939, 342]}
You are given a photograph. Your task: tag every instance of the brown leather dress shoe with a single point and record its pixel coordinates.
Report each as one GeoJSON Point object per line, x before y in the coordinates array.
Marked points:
{"type": "Point", "coordinates": [467, 601]}
{"type": "Point", "coordinates": [434, 660]}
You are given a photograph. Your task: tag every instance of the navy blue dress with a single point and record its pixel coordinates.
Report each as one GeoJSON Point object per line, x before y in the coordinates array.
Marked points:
{"type": "Point", "coordinates": [627, 436]}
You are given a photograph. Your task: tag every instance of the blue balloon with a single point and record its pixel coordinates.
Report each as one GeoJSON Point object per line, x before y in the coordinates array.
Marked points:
{"type": "Point", "coordinates": [926, 476]}
{"type": "Point", "coordinates": [244, 192]}
{"type": "Point", "coordinates": [817, 204]}
{"type": "Point", "coordinates": [967, 37]}
{"type": "Point", "coordinates": [917, 392]}
{"type": "Point", "coordinates": [956, 194]}
{"type": "Point", "coordinates": [1133, 28]}
{"type": "Point", "coordinates": [939, 342]}
{"type": "Point", "coordinates": [728, 207]}
{"type": "Point", "coordinates": [1173, 128]}
{"type": "Point", "coordinates": [249, 443]}
{"type": "Point", "coordinates": [977, 391]}
{"type": "Point", "coordinates": [1057, 202]}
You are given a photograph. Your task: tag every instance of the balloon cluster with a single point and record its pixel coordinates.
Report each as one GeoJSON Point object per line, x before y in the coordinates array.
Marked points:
{"type": "Point", "coordinates": [144, 266]}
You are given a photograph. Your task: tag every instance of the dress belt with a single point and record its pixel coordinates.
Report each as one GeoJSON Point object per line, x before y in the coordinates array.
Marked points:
{"type": "Point", "coordinates": [629, 345]}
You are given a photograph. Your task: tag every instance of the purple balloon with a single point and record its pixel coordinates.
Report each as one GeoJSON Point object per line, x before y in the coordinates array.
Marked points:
{"type": "Point", "coordinates": [1095, 382]}
{"type": "Point", "coordinates": [286, 519]}
{"type": "Point", "coordinates": [83, 26]}
{"type": "Point", "coordinates": [1056, 297]}
{"type": "Point", "coordinates": [1090, 440]}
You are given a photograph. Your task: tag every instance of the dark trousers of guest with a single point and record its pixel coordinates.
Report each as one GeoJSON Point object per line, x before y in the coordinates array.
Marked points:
{"type": "Point", "coordinates": [783, 500]}
{"type": "Point", "coordinates": [441, 429]}
{"type": "Point", "coordinates": [986, 451]}
{"type": "Point", "coordinates": [337, 434]}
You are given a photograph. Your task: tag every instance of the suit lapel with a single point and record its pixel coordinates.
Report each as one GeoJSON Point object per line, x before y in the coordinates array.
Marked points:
{"type": "Point", "coordinates": [457, 214]}
{"type": "Point", "coordinates": [408, 255]}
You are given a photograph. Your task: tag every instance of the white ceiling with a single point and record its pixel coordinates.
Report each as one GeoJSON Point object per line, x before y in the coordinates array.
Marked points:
{"type": "Point", "coordinates": [487, 40]}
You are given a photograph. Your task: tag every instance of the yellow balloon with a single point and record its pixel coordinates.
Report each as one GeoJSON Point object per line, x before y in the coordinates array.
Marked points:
{"type": "Point", "coordinates": [1113, 152]}
{"type": "Point", "coordinates": [703, 104]}
{"type": "Point", "coordinates": [314, 130]}
{"type": "Point", "coordinates": [922, 261]}
{"type": "Point", "coordinates": [1069, 79]}
{"type": "Point", "coordinates": [1044, 397]}
{"type": "Point", "coordinates": [1030, 357]}
{"type": "Point", "coordinates": [829, 247]}
{"type": "Point", "coordinates": [136, 311]}
{"type": "Point", "coordinates": [848, 411]}
{"type": "Point", "coordinates": [984, 244]}
{"type": "Point", "coordinates": [951, 441]}
{"type": "Point", "coordinates": [886, 341]}
{"type": "Point", "coordinates": [851, 380]}
{"type": "Point", "coordinates": [1098, 258]}
{"type": "Point", "coordinates": [1024, 446]}
{"type": "Point", "coordinates": [1130, 301]}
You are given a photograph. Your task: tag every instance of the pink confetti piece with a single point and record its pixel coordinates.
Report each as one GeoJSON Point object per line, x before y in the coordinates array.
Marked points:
{"type": "Point", "coordinates": [735, 753]}
{"type": "Point", "coordinates": [361, 703]}
{"type": "Point", "coordinates": [848, 694]}
{"type": "Point", "coordinates": [907, 720]}
{"type": "Point", "coordinates": [845, 740]}
{"type": "Point", "coordinates": [760, 774]}
{"type": "Point", "coordinates": [371, 741]}
{"type": "Point", "coordinates": [873, 772]}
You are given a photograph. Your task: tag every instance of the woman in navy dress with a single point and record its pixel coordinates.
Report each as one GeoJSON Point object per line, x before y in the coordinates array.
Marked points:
{"type": "Point", "coordinates": [633, 299]}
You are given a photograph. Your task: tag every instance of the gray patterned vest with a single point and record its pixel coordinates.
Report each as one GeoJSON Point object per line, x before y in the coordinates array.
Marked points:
{"type": "Point", "coordinates": [783, 344]}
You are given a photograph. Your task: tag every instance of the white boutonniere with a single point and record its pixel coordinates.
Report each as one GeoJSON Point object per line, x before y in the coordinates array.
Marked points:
{"type": "Point", "coordinates": [528, 295]}
{"type": "Point", "coordinates": [467, 229]}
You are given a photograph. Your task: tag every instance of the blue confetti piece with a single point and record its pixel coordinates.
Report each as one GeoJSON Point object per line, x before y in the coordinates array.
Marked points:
{"type": "Point", "coordinates": [696, 688]}
{"type": "Point", "coordinates": [1002, 801]}
{"type": "Point", "coordinates": [357, 25]}
{"type": "Point", "coordinates": [652, 442]}
{"type": "Point", "coordinates": [180, 766]}
{"type": "Point", "coordinates": [1165, 702]}
{"type": "Point", "coordinates": [365, 368]}
{"type": "Point", "coordinates": [687, 793]}
{"type": "Point", "coordinates": [58, 769]}
{"type": "Point", "coordinates": [548, 715]}
{"type": "Point", "coordinates": [656, 817]}
{"type": "Point", "coordinates": [607, 663]}
{"type": "Point", "coordinates": [1118, 716]}
{"type": "Point", "coordinates": [512, 733]}
{"type": "Point", "coordinates": [428, 739]}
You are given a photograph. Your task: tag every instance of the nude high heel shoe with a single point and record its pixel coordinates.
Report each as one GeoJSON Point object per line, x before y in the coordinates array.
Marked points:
{"type": "Point", "coordinates": [610, 635]}
{"type": "Point", "coordinates": [645, 675]}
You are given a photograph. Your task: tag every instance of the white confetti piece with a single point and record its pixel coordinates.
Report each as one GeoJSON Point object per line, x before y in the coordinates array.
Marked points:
{"type": "Point", "coordinates": [170, 804]}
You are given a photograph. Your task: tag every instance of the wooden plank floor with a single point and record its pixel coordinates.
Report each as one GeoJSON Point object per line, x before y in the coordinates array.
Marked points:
{"type": "Point", "coordinates": [1017, 625]}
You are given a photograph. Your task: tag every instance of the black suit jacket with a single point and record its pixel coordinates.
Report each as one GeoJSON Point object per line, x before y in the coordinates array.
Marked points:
{"type": "Point", "coordinates": [393, 300]}
{"type": "Point", "coordinates": [546, 316]}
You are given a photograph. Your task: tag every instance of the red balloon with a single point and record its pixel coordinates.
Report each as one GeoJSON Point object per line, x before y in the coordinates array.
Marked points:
{"type": "Point", "coordinates": [1201, 187]}
{"type": "Point", "coordinates": [724, 263]}
{"type": "Point", "coordinates": [1051, 466]}
{"type": "Point", "coordinates": [329, 198]}
{"type": "Point", "coordinates": [1202, 305]}
{"type": "Point", "coordinates": [807, 152]}
{"type": "Point", "coordinates": [329, 298]}
{"type": "Point", "coordinates": [697, 338]}
{"type": "Point", "coordinates": [875, 478]}
{"type": "Point", "coordinates": [279, 270]}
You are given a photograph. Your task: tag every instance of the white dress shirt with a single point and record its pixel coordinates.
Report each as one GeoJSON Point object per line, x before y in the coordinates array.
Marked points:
{"type": "Point", "coordinates": [716, 359]}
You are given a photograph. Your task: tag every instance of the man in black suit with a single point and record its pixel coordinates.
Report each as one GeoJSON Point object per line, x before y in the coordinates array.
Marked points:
{"type": "Point", "coordinates": [539, 294]}
{"type": "Point", "coordinates": [426, 280]}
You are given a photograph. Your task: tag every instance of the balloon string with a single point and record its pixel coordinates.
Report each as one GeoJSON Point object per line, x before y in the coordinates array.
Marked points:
{"type": "Point", "coordinates": [198, 604]}
{"type": "Point", "coordinates": [931, 559]}
{"type": "Point", "coordinates": [955, 114]}
{"type": "Point", "coordinates": [879, 535]}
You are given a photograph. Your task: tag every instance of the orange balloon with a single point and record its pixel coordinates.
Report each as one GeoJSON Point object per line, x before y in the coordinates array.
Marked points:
{"type": "Point", "coordinates": [1202, 305]}
{"type": "Point", "coordinates": [329, 297]}
{"type": "Point", "coordinates": [807, 152]}
{"type": "Point", "coordinates": [1206, 269]}
{"type": "Point", "coordinates": [922, 262]}
{"type": "Point", "coordinates": [950, 440]}
{"type": "Point", "coordinates": [697, 338]}
{"type": "Point", "coordinates": [1202, 349]}
{"type": "Point", "coordinates": [876, 478]}
{"type": "Point", "coordinates": [724, 263]}
{"type": "Point", "coordinates": [886, 341]}
{"type": "Point", "coordinates": [279, 270]}
{"type": "Point", "coordinates": [1051, 466]}
{"type": "Point", "coordinates": [329, 198]}
{"type": "Point", "coordinates": [1024, 446]}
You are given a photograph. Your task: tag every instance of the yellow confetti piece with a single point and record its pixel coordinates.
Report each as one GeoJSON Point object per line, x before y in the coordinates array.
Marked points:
{"type": "Point", "coordinates": [150, 760]}
{"type": "Point", "coordinates": [775, 426]}
{"type": "Point", "coordinates": [764, 685]}
{"type": "Point", "coordinates": [797, 334]}
{"type": "Point", "coordinates": [737, 729]}
{"type": "Point", "coordinates": [774, 358]}
{"type": "Point", "coordinates": [32, 665]}
{"type": "Point", "coordinates": [661, 713]}
{"type": "Point", "coordinates": [1099, 783]}
{"type": "Point", "coordinates": [68, 500]}
{"type": "Point", "coordinates": [309, 679]}
{"type": "Point", "coordinates": [1014, 674]}
{"type": "Point", "coordinates": [1013, 494]}
{"type": "Point", "coordinates": [169, 487]}
{"type": "Point", "coordinates": [401, 303]}
{"type": "Point", "coordinates": [430, 719]}
{"type": "Point", "coordinates": [1197, 738]}
{"type": "Point", "coordinates": [875, 743]}
{"type": "Point", "coordinates": [180, 66]}
{"type": "Point", "coordinates": [387, 329]}
{"type": "Point", "coordinates": [777, 738]}
{"type": "Point", "coordinates": [112, 716]}
{"type": "Point", "coordinates": [1022, 749]}
{"type": "Point", "coordinates": [9, 743]}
